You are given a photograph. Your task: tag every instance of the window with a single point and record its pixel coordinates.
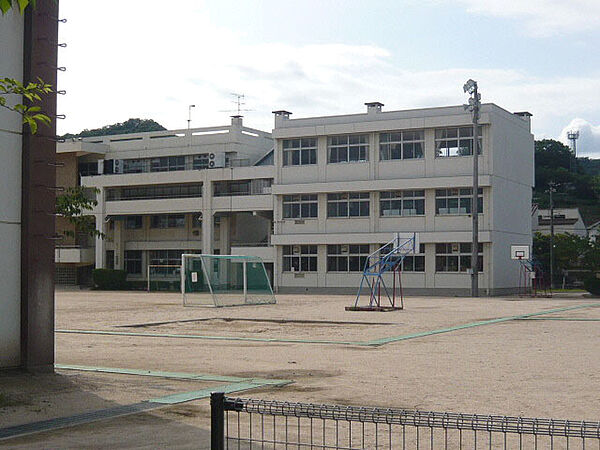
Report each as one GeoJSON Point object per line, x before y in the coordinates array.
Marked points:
{"type": "Point", "coordinates": [347, 258]}
{"type": "Point", "coordinates": [416, 262]}
{"type": "Point", "coordinates": [133, 166]}
{"type": "Point", "coordinates": [87, 169]}
{"type": "Point", "coordinates": [300, 206]}
{"type": "Point", "coordinates": [401, 145]}
{"type": "Point", "coordinates": [258, 186]}
{"type": "Point", "coordinates": [411, 262]}
{"type": "Point", "coordinates": [168, 221]}
{"type": "Point", "coordinates": [133, 222]}
{"type": "Point", "coordinates": [167, 164]}
{"type": "Point", "coordinates": [154, 192]}
{"type": "Point", "coordinates": [455, 257]}
{"type": "Point", "coordinates": [455, 141]}
{"type": "Point", "coordinates": [348, 204]}
{"type": "Point", "coordinates": [133, 261]}
{"type": "Point", "coordinates": [166, 257]}
{"type": "Point", "coordinates": [349, 148]}
{"type": "Point", "coordinates": [299, 258]}
{"type": "Point", "coordinates": [456, 201]}
{"type": "Point", "coordinates": [110, 259]}
{"type": "Point", "coordinates": [299, 152]}
{"type": "Point", "coordinates": [402, 203]}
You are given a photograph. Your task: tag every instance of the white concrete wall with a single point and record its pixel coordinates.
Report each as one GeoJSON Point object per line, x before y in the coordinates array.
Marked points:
{"type": "Point", "coordinates": [11, 65]}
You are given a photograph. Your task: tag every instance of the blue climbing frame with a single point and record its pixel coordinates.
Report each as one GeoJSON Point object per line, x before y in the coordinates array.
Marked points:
{"type": "Point", "coordinates": [387, 259]}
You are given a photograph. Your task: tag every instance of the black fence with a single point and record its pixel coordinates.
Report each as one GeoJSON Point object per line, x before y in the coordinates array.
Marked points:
{"type": "Point", "coordinates": [258, 424]}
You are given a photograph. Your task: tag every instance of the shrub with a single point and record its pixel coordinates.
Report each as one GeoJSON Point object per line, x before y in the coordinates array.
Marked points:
{"type": "Point", "coordinates": [109, 279]}
{"type": "Point", "coordinates": [592, 285]}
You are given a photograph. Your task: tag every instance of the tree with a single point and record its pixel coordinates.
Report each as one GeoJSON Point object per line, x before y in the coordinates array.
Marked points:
{"type": "Point", "coordinates": [31, 92]}
{"type": "Point", "coordinates": [73, 205]}
{"type": "Point", "coordinates": [6, 5]}
{"type": "Point", "coordinates": [129, 126]}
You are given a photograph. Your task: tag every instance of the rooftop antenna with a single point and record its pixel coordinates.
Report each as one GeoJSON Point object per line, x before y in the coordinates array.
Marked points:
{"type": "Point", "coordinates": [239, 103]}
{"type": "Point", "coordinates": [573, 135]}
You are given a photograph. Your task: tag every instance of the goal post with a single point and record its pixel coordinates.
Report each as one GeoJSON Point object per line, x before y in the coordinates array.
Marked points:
{"type": "Point", "coordinates": [163, 277]}
{"type": "Point", "coordinates": [224, 280]}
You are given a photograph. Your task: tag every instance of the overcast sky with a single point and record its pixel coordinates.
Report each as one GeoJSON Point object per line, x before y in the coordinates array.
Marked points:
{"type": "Point", "coordinates": [151, 59]}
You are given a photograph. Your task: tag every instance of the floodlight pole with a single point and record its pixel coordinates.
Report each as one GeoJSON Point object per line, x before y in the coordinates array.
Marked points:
{"type": "Point", "coordinates": [190, 115]}
{"type": "Point", "coordinates": [474, 105]}
{"type": "Point", "coordinates": [551, 190]}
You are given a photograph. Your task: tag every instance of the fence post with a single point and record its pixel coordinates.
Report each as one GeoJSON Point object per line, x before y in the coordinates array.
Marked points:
{"type": "Point", "coordinates": [217, 421]}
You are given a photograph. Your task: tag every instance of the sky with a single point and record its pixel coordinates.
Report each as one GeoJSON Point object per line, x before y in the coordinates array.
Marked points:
{"type": "Point", "coordinates": [152, 59]}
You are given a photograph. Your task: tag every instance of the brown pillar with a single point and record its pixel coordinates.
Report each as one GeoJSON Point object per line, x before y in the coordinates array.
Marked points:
{"type": "Point", "coordinates": [38, 195]}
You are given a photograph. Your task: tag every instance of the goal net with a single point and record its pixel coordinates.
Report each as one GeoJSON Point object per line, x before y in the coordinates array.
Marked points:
{"type": "Point", "coordinates": [224, 280]}
{"type": "Point", "coordinates": [163, 277]}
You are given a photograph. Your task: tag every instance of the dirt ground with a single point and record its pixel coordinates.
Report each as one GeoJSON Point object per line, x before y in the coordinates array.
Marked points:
{"type": "Point", "coordinates": [535, 368]}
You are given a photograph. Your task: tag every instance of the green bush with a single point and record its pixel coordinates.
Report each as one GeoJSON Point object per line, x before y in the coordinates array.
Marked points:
{"type": "Point", "coordinates": [592, 285]}
{"type": "Point", "coordinates": [109, 279]}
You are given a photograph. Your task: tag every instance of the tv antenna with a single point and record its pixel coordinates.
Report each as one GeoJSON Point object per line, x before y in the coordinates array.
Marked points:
{"type": "Point", "coordinates": [239, 104]}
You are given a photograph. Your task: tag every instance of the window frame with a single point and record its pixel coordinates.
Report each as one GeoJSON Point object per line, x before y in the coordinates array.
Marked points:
{"type": "Point", "coordinates": [305, 261]}
{"type": "Point", "coordinates": [306, 205]}
{"type": "Point", "coordinates": [460, 198]}
{"type": "Point", "coordinates": [354, 260]}
{"type": "Point", "coordinates": [402, 197]}
{"type": "Point", "coordinates": [402, 138]}
{"type": "Point", "coordinates": [128, 261]}
{"type": "Point", "coordinates": [342, 144]}
{"type": "Point", "coordinates": [457, 134]}
{"type": "Point", "coordinates": [137, 221]}
{"type": "Point", "coordinates": [459, 252]}
{"type": "Point", "coordinates": [353, 201]}
{"type": "Point", "coordinates": [300, 150]}
{"type": "Point", "coordinates": [166, 221]}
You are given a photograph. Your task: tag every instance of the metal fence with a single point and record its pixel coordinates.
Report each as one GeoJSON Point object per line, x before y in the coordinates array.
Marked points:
{"type": "Point", "coordinates": [258, 424]}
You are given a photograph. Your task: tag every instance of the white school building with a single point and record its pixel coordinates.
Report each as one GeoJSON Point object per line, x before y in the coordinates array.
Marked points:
{"type": "Point", "coordinates": [315, 197]}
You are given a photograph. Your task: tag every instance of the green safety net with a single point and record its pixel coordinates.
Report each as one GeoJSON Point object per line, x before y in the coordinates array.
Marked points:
{"type": "Point", "coordinates": [225, 280]}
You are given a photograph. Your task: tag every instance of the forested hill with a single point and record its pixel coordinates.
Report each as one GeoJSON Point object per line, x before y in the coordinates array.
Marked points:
{"type": "Point", "coordinates": [127, 127]}
{"type": "Point", "coordinates": [577, 179]}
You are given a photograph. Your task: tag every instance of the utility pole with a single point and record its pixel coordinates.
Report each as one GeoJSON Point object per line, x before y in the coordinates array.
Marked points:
{"type": "Point", "coordinates": [551, 190]}
{"type": "Point", "coordinates": [190, 115]}
{"type": "Point", "coordinates": [474, 106]}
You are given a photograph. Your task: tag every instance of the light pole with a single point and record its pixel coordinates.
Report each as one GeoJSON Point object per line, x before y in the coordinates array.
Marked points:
{"type": "Point", "coordinates": [551, 190]}
{"type": "Point", "coordinates": [474, 105]}
{"type": "Point", "coordinates": [190, 115]}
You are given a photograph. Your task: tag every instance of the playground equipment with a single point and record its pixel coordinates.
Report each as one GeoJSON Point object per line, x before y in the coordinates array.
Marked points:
{"type": "Point", "coordinates": [532, 280]}
{"type": "Point", "coordinates": [385, 260]}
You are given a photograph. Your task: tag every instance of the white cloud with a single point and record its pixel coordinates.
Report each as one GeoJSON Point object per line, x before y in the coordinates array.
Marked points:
{"type": "Point", "coordinates": [156, 66]}
{"type": "Point", "coordinates": [542, 17]}
{"type": "Point", "coordinates": [588, 143]}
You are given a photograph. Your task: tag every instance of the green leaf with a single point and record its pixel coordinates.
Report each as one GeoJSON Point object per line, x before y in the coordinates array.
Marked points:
{"type": "Point", "coordinates": [22, 5]}
{"type": "Point", "coordinates": [5, 6]}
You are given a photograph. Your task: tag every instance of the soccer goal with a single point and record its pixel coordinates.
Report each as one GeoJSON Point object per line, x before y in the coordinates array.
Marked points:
{"type": "Point", "coordinates": [224, 280]}
{"type": "Point", "coordinates": [163, 277]}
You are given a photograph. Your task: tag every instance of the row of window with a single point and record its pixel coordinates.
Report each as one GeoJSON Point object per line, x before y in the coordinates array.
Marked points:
{"type": "Point", "coordinates": [457, 141]}
{"type": "Point", "coordinates": [158, 221]}
{"type": "Point", "coordinates": [154, 192]}
{"type": "Point", "coordinates": [133, 260]}
{"type": "Point", "coordinates": [453, 257]}
{"type": "Point", "coordinates": [144, 165]}
{"type": "Point", "coordinates": [391, 203]}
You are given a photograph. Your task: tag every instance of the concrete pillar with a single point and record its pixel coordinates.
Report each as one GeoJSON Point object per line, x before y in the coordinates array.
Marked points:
{"type": "Point", "coordinates": [322, 157]}
{"type": "Point", "coordinates": [100, 242]}
{"type": "Point", "coordinates": [429, 152]}
{"type": "Point", "coordinates": [119, 241]}
{"type": "Point", "coordinates": [429, 266]}
{"type": "Point", "coordinates": [225, 235]}
{"type": "Point", "coordinates": [208, 220]}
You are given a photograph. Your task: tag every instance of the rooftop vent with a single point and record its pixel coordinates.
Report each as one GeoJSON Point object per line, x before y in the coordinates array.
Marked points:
{"type": "Point", "coordinates": [373, 107]}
